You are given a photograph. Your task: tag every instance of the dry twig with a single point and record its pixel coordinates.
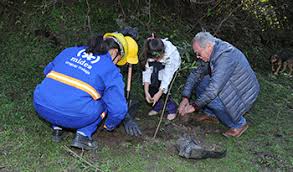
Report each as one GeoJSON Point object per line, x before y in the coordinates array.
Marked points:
{"type": "Point", "coordinates": [226, 18]}
{"type": "Point", "coordinates": [88, 16]}
{"type": "Point", "coordinates": [149, 8]}
{"type": "Point", "coordinates": [82, 159]}
{"type": "Point", "coordinates": [123, 12]}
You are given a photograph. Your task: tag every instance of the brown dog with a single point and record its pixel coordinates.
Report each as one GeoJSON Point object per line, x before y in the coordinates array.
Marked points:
{"type": "Point", "coordinates": [283, 59]}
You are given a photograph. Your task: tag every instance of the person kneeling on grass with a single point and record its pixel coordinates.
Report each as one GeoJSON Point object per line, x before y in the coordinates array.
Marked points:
{"type": "Point", "coordinates": [162, 60]}
{"type": "Point", "coordinates": [83, 85]}
{"type": "Point", "coordinates": [225, 84]}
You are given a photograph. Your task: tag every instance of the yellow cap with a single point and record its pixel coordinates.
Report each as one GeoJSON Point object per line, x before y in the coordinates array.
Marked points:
{"type": "Point", "coordinates": [131, 56]}
{"type": "Point", "coordinates": [128, 47]}
{"type": "Point", "coordinates": [121, 41]}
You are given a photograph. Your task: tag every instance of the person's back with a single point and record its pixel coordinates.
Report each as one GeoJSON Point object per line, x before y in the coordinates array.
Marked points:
{"type": "Point", "coordinates": [242, 83]}
{"type": "Point", "coordinates": [76, 63]}
{"type": "Point", "coordinates": [82, 85]}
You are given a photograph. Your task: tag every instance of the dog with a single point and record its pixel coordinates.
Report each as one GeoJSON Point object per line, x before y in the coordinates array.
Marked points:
{"type": "Point", "coordinates": [282, 59]}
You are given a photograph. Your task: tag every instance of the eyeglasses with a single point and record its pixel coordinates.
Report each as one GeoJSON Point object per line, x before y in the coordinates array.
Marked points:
{"type": "Point", "coordinates": [197, 54]}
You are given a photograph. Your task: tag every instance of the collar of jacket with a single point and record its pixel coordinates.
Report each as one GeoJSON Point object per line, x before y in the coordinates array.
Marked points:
{"type": "Point", "coordinates": [163, 60]}
{"type": "Point", "coordinates": [220, 47]}
{"type": "Point", "coordinates": [214, 50]}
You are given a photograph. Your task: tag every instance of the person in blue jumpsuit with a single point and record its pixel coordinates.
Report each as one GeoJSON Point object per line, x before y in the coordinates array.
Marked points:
{"type": "Point", "coordinates": [83, 86]}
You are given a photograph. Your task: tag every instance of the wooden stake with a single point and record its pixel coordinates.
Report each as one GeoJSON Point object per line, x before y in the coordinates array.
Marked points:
{"type": "Point", "coordinates": [129, 81]}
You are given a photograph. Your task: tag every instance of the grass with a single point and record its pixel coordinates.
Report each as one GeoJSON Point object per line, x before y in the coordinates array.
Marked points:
{"type": "Point", "coordinates": [25, 140]}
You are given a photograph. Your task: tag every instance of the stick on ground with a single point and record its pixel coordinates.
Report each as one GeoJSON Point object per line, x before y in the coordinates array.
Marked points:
{"type": "Point", "coordinates": [165, 103]}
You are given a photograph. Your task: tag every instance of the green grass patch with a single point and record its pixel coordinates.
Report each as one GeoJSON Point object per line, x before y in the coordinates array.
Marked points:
{"type": "Point", "coordinates": [25, 140]}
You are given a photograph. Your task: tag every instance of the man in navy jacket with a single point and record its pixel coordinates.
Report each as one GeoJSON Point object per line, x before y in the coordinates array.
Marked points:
{"type": "Point", "coordinates": [225, 84]}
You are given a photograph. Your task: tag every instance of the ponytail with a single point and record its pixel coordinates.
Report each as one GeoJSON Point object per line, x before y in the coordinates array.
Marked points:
{"type": "Point", "coordinates": [144, 58]}
{"type": "Point", "coordinates": [97, 45]}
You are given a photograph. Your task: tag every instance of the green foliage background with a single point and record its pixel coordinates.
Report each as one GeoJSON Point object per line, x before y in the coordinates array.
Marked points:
{"type": "Point", "coordinates": [258, 28]}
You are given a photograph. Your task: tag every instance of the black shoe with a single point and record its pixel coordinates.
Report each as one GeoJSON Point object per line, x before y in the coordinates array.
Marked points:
{"type": "Point", "coordinates": [57, 135]}
{"type": "Point", "coordinates": [84, 142]}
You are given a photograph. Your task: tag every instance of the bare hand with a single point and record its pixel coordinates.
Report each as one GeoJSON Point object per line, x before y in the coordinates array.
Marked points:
{"type": "Point", "coordinates": [188, 109]}
{"type": "Point", "coordinates": [148, 98]}
{"type": "Point", "coordinates": [157, 96]}
{"type": "Point", "coordinates": [182, 105]}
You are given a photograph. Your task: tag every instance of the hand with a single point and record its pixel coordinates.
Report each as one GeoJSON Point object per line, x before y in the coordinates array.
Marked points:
{"type": "Point", "coordinates": [131, 128]}
{"type": "Point", "coordinates": [148, 97]}
{"type": "Point", "coordinates": [157, 96]}
{"type": "Point", "coordinates": [182, 105]}
{"type": "Point", "coordinates": [190, 108]}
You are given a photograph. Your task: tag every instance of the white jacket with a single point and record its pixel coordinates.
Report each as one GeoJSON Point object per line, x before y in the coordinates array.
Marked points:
{"type": "Point", "coordinates": [171, 60]}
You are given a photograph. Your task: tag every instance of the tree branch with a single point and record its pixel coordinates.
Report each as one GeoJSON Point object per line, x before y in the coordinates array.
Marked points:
{"type": "Point", "coordinates": [121, 7]}
{"type": "Point", "coordinates": [149, 8]}
{"type": "Point", "coordinates": [81, 158]}
{"type": "Point", "coordinates": [88, 16]}
{"type": "Point", "coordinates": [226, 18]}
{"type": "Point", "coordinates": [202, 2]}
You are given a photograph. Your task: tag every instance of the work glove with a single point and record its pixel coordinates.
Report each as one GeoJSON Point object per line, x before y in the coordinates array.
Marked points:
{"type": "Point", "coordinates": [131, 128]}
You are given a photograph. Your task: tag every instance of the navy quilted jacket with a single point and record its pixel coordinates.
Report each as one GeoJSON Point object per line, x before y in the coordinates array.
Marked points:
{"type": "Point", "coordinates": [232, 79]}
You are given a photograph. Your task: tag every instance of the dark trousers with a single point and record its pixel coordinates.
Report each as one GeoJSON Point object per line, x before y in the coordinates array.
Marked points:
{"type": "Point", "coordinates": [171, 106]}
{"type": "Point", "coordinates": [217, 108]}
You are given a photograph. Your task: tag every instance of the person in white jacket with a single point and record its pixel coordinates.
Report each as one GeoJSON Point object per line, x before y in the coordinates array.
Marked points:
{"type": "Point", "coordinates": [162, 60]}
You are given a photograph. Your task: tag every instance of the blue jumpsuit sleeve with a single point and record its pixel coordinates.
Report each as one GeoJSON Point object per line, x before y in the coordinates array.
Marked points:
{"type": "Point", "coordinates": [115, 100]}
{"type": "Point", "coordinates": [48, 68]}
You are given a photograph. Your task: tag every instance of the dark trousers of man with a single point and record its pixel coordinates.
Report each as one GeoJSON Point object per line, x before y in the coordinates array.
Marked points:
{"type": "Point", "coordinates": [217, 108]}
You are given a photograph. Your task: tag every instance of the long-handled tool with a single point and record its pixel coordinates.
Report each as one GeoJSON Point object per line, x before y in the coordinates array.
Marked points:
{"type": "Point", "coordinates": [130, 126]}
{"type": "Point", "coordinates": [129, 78]}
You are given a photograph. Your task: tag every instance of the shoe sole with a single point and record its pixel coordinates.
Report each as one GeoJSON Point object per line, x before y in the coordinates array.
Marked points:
{"type": "Point", "coordinates": [171, 118]}
{"type": "Point", "coordinates": [82, 146]}
{"type": "Point", "coordinates": [153, 114]}
{"type": "Point", "coordinates": [237, 136]}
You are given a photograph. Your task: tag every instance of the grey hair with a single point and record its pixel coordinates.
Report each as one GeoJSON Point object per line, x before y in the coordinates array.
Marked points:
{"type": "Point", "coordinates": [203, 38]}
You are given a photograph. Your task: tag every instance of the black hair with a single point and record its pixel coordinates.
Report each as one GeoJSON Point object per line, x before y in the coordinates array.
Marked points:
{"type": "Point", "coordinates": [152, 49]}
{"type": "Point", "coordinates": [99, 45]}
{"type": "Point", "coordinates": [111, 43]}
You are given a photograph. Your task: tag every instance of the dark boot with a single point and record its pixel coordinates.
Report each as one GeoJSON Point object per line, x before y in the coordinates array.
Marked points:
{"type": "Point", "coordinates": [57, 135]}
{"type": "Point", "coordinates": [84, 142]}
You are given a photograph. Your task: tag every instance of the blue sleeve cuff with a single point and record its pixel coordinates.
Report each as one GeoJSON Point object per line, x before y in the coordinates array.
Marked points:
{"type": "Point", "coordinates": [48, 68]}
